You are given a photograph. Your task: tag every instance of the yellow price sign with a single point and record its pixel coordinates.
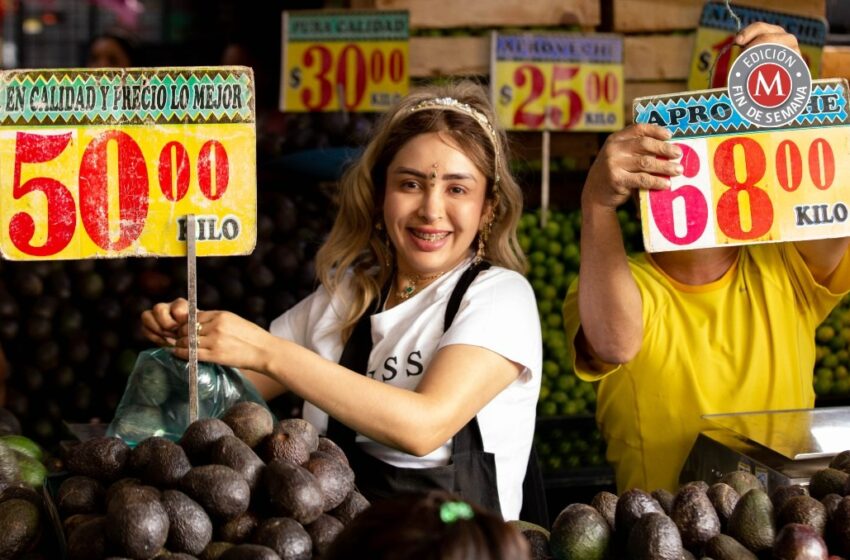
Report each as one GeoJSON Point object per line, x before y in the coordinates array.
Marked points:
{"type": "Point", "coordinates": [714, 49]}
{"type": "Point", "coordinates": [109, 163]}
{"type": "Point", "coordinates": [559, 82]}
{"type": "Point", "coordinates": [744, 185]}
{"type": "Point", "coordinates": [352, 61]}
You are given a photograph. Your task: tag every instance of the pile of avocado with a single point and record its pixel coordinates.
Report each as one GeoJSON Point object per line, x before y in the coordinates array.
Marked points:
{"type": "Point", "coordinates": [733, 519]}
{"type": "Point", "coordinates": [237, 487]}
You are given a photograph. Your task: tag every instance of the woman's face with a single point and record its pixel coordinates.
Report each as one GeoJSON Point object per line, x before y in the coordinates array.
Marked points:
{"type": "Point", "coordinates": [434, 204]}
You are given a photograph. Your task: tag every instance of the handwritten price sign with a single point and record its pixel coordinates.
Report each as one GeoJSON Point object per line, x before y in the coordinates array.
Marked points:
{"type": "Point", "coordinates": [356, 61]}
{"type": "Point", "coordinates": [713, 50]}
{"type": "Point", "coordinates": [745, 185]}
{"type": "Point", "coordinates": [558, 82]}
{"type": "Point", "coordinates": [107, 163]}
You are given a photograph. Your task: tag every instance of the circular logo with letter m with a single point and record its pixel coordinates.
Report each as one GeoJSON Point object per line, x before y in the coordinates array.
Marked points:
{"type": "Point", "coordinates": [769, 85]}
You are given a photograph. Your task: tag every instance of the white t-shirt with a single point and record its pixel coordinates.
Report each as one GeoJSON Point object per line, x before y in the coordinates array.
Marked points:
{"type": "Point", "coordinates": [498, 312]}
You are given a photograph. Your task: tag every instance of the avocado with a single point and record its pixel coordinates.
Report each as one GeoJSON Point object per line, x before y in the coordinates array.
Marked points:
{"type": "Point", "coordinates": [606, 504]}
{"type": "Point", "coordinates": [695, 517]}
{"type": "Point", "coordinates": [69, 524]}
{"type": "Point", "coordinates": [654, 537]}
{"type": "Point", "coordinates": [326, 445]}
{"type": "Point", "coordinates": [293, 491]}
{"type": "Point", "coordinates": [130, 489]}
{"type": "Point", "coordinates": [742, 481]}
{"type": "Point", "coordinates": [781, 494]}
{"type": "Point", "coordinates": [631, 506]}
{"type": "Point", "coordinates": [175, 556]}
{"type": "Point", "coordinates": [830, 502]}
{"type": "Point", "coordinates": [724, 498]}
{"type": "Point", "coordinates": [280, 445]}
{"type": "Point", "coordinates": [238, 529]}
{"type": "Point", "coordinates": [137, 526]}
{"type": "Point", "coordinates": [249, 552]}
{"type": "Point", "coordinates": [752, 522]}
{"type": "Point", "coordinates": [286, 537]}
{"type": "Point", "coordinates": [189, 527]}
{"type": "Point", "coordinates": [841, 462]}
{"type": "Point", "coordinates": [159, 462]}
{"type": "Point", "coordinates": [9, 423]}
{"type": "Point", "coordinates": [537, 537]}
{"type": "Point", "coordinates": [21, 523]}
{"type": "Point", "coordinates": [21, 491]}
{"type": "Point", "coordinates": [30, 471]}
{"type": "Point", "coordinates": [152, 383]}
{"type": "Point", "coordinates": [664, 498]}
{"type": "Point", "coordinates": [79, 494]}
{"type": "Point", "coordinates": [214, 550]}
{"type": "Point", "coordinates": [102, 458]}
{"type": "Point", "coordinates": [724, 547]}
{"type": "Point", "coordinates": [24, 446]}
{"type": "Point", "coordinates": [351, 507]}
{"type": "Point", "coordinates": [324, 530]}
{"type": "Point", "coordinates": [804, 510]}
{"type": "Point", "coordinates": [335, 478]}
{"type": "Point", "coordinates": [235, 453]}
{"type": "Point", "coordinates": [827, 481]}
{"type": "Point", "coordinates": [88, 539]}
{"type": "Point", "coordinates": [220, 490]}
{"type": "Point", "coordinates": [298, 427]}
{"type": "Point", "coordinates": [839, 524]}
{"type": "Point", "coordinates": [137, 422]}
{"type": "Point", "coordinates": [580, 531]}
{"type": "Point", "coordinates": [9, 471]}
{"type": "Point", "coordinates": [200, 435]}
{"type": "Point", "coordinates": [699, 484]}
{"type": "Point", "coordinates": [250, 421]}
{"type": "Point", "coordinates": [796, 541]}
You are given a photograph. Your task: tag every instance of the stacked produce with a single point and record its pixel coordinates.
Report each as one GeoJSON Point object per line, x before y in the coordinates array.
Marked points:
{"type": "Point", "coordinates": [553, 255]}
{"type": "Point", "coordinates": [832, 370]}
{"type": "Point", "coordinates": [71, 329]}
{"type": "Point", "coordinates": [563, 448]}
{"type": "Point", "coordinates": [231, 488]}
{"type": "Point", "coordinates": [733, 519]}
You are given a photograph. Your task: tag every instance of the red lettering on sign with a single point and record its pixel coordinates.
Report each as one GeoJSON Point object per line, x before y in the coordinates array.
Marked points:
{"type": "Point", "coordinates": [222, 169]}
{"type": "Point", "coordinates": [696, 207]}
{"type": "Point", "coordinates": [728, 205]}
{"type": "Point", "coordinates": [173, 187]}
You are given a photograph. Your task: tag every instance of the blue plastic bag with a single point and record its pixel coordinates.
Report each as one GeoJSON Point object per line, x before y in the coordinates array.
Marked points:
{"type": "Point", "coordinates": [156, 399]}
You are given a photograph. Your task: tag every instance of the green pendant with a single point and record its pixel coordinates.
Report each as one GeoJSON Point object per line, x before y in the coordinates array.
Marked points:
{"type": "Point", "coordinates": [408, 290]}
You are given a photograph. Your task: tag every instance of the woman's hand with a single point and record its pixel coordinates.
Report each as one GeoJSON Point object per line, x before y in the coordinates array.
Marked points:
{"type": "Point", "coordinates": [161, 323]}
{"type": "Point", "coordinates": [634, 158]}
{"type": "Point", "coordinates": [760, 32]}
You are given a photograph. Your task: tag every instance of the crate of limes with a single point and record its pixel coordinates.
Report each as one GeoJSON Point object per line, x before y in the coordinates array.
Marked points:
{"type": "Point", "coordinates": [832, 368]}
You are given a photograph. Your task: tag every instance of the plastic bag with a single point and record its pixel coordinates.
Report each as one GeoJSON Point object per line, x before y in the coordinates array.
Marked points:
{"type": "Point", "coordinates": [156, 399]}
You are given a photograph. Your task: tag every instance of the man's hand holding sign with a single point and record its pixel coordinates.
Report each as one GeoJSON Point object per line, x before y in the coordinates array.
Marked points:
{"type": "Point", "coordinates": [720, 317]}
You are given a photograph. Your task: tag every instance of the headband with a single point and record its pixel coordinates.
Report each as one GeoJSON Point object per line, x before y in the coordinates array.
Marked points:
{"type": "Point", "coordinates": [452, 104]}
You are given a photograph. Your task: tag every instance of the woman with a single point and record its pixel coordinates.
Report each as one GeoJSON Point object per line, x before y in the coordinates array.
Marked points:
{"type": "Point", "coordinates": [421, 394]}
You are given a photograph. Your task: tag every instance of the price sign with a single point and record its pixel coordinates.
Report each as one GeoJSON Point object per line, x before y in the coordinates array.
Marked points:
{"type": "Point", "coordinates": [742, 184]}
{"type": "Point", "coordinates": [714, 52]}
{"type": "Point", "coordinates": [107, 163]}
{"type": "Point", "coordinates": [558, 81]}
{"type": "Point", "coordinates": [352, 61]}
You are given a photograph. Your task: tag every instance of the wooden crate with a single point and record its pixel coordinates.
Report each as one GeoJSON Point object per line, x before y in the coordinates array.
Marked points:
{"type": "Point", "coordinates": [643, 89]}
{"type": "Point", "coordinates": [639, 16]}
{"type": "Point", "coordinates": [835, 62]}
{"type": "Point", "coordinates": [430, 14]}
{"type": "Point", "coordinates": [657, 57]}
{"type": "Point", "coordinates": [449, 56]}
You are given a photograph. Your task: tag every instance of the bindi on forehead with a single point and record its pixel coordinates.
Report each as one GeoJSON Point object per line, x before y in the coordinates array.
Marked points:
{"type": "Point", "coordinates": [432, 177]}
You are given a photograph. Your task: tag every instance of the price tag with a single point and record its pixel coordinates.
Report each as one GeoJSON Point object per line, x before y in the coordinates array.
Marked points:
{"type": "Point", "coordinates": [742, 184]}
{"type": "Point", "coordinates": [716, 35]}
{"type": "Point", "coordinates": [107, 163]}
{"type": "Point", "coordinates": [353, 60]}
{"type": "Point", "coordinates": [558, 81]}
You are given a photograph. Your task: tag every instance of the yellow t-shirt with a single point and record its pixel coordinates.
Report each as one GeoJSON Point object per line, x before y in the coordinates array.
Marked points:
{"type": "Point", "coordinates": [742, 343]}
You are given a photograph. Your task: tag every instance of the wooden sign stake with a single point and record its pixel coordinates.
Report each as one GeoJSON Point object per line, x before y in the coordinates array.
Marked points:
{"type": "Point", "coordinates": [544, 180]}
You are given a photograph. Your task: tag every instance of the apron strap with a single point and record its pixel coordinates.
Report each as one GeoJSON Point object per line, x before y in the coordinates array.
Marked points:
{"type": "Point", "coordinates": [355, 356]}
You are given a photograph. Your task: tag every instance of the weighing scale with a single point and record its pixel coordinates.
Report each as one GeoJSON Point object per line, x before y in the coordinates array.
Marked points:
{"type": "Point", "coordinates": [781, 448]}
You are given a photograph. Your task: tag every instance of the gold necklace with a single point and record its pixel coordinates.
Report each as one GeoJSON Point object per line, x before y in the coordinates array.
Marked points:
{"type": "Point", "coordinates": [412, 281]}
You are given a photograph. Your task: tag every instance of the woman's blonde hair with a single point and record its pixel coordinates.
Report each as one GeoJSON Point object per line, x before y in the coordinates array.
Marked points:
{"type": "Point", "coordinates": [356, 243]}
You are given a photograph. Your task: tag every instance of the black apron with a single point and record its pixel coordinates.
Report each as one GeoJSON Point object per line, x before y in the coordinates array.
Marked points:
{"type": "Point", "coordinates": [470, 473]}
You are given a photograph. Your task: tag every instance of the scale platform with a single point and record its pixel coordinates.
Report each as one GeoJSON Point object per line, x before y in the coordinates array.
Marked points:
{"type": "Point", "coordinates": [780, 447]}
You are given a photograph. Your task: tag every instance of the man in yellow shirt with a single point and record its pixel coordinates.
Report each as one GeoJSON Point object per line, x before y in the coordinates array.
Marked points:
{"type": "Point", "coordinates": [676, 335]}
